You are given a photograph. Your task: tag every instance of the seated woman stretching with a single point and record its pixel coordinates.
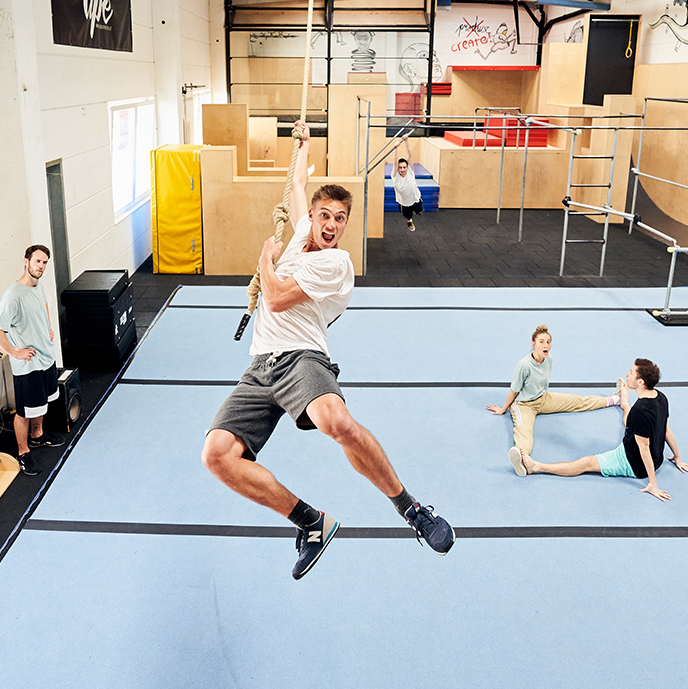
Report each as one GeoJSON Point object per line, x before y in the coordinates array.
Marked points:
{"type": "Point", "coordinates": [529, 396]}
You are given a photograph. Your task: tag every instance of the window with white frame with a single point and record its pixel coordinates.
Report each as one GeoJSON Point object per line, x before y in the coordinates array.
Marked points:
{"type": "Point", "coordinates": [132, 137]}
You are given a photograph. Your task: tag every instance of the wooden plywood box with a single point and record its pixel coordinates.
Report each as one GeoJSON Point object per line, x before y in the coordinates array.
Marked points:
{"type": "Point", "coordinates": [237, 213]}
{"type": "Point", "coordinates": [9, 469]}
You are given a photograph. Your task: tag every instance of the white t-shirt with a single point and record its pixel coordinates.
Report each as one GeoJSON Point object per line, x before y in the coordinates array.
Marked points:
{"type": "Point", "coordinates": [326, 276]}
{"type": "Point", "coordinates": [405, 188]}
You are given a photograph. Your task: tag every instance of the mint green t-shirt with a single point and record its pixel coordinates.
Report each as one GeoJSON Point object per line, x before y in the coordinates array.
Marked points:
{"type": "Point", "coordinates": [530, 379]}
{"type": "Point", "coordinates": [24, 317]}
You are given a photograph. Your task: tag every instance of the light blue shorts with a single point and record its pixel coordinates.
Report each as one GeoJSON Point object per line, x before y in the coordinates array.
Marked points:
{"type": "Point", "coordinates": [615, 463]}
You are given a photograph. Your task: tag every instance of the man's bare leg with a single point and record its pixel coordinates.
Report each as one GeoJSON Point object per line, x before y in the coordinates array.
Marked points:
{"type": "Point", "coordinates": [37, 427]}
{"type": "Point", "coordinates": [330, 415]}
{"type": "Point", "coordinates": [21, 431]}
{"type": "Point", "coordinates": [222, 456]}
{"type": "Point", "coordinates": [580, 466]}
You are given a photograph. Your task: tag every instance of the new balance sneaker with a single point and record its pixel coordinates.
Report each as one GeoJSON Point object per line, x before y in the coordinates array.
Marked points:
{"type": "Point", "coordinates": [27, 465]}
{"type": "Point", "coordinates": [311, 543]}
{"type": "Point", "coordinates": [436, 531]}
{"type": "Point", "coordinates": [47, 440]}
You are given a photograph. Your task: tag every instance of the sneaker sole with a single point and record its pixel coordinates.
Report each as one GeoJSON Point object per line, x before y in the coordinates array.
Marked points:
{"type": "Point", "coordinates": [326, 542]}
{"type": "Point", "coordinates": [516, 459]}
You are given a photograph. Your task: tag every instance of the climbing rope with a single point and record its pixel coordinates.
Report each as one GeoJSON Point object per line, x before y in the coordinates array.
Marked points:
{"type": "Point", "coordinates": [629, 50]}
{"type": "Point", "coordinates": [280, 213]}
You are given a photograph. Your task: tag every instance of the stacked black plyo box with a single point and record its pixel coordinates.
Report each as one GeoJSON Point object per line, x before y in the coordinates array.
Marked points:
{"type": "Point", "coordinates": [100, 324]}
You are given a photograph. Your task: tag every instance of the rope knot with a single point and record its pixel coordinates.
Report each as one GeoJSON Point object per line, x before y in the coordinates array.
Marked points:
{"type": "Point", "coordinates": [297, 134]}
{"type": "Point", "coordinates": [280, 213]}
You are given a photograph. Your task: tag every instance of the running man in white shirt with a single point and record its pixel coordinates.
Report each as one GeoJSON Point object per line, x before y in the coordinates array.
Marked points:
{"type": "Point", "coordinates": [405, 185]}
{"type": "Point", "coordinates": [308, 289]}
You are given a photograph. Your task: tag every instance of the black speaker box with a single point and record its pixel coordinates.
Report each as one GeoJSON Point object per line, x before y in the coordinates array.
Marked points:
{"type": "Point", "coordinates": [105, 357]}
{"type": "Point", "coordinates": [65, 411]}
{"type": "Point", "coordinates": [101, 325]}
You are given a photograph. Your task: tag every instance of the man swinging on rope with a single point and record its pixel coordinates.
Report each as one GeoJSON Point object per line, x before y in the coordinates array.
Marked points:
{"type": "Point", "coordinates": [308, 289]}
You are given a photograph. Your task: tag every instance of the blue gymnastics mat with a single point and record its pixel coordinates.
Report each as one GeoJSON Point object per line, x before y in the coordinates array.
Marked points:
{"type": "Point", "coordinates": [435, 340]}
{"type": "Point", "coordinates": [116, 611]}
{"type": "Point", "coordinates": [447, 449]}
{"type": "Point", "coordinates": [139, 569]}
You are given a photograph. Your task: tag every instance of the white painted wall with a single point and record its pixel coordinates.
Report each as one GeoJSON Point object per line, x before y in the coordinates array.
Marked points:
{"type": "Point", "coordinates": [70, 122]}
{"type": "Point", "coordinates": [23, 187]}
{"type": "Point", "coordinates": [76, 85]}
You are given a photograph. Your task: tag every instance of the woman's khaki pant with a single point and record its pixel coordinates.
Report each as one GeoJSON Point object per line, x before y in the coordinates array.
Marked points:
{"type": "Point", "coordinates": [524, 413]}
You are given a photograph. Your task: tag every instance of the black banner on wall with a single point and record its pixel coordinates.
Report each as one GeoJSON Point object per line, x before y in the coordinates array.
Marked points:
{"type": "Point", "coordinates": [104, 24]}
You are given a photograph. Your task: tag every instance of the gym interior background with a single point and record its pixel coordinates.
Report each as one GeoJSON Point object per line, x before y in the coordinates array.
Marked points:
{"type": "Point", "coordinates": [225, 77]}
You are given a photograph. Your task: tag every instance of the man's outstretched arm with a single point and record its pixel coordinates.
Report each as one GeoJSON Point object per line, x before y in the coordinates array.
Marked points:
{"type": "Point", "coordinates": [646, 456]}
{"type": "Point", "coordinates": [298, 201]}
{"type": "Point", "coordinates": [673, 446]}
{"type": "Point", "coordinates": [408, 152]}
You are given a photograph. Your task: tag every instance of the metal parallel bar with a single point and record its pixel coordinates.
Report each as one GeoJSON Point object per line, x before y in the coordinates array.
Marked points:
{"type": "Point", "coordinates": [582, 213]}
{"type": "Point", "coordinates": [609, 203]}
{"type": "Point", "coordinates": [590, 185]}
{"type": "Point", "coordinates": [628, 216]}
{"type": "Point", "coordinates": [670, 281]}
{"type": "Point", "coordinates": [637, 162]}
{"type": "Point", "coordinates": [358, 134]}
{"type": "Point", "coordinates": [668, 100]}
{"type": "Point", "coordinates": [501, 177]}
{"type": "Point", "coordinates": [562, 128]}
{"type": "Point", "coordinates": [488, 110]}
{"type": "Point", "coordinates": [365, 195]}
{"type": "Point", "coordinates": [523, 188]}
{"type": "Point", "coordinates": [431, 53]}
{"type": "Point", "coordinates": [374, 160]}
{"type": "Point", "coordinates": [659, 179]}
{"type": "Point", "coordinates": [566, 208]}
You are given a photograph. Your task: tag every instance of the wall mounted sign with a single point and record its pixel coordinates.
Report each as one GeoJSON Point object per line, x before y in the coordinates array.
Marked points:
{"type": "Point", "coordinates": [103, 24]}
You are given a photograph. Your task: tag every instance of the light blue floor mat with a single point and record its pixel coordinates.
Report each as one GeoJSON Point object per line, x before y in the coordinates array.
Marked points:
{"type": "Point", "coordinates": [116, 610]}
{"type": "Point", "coordinates": [113, 611]}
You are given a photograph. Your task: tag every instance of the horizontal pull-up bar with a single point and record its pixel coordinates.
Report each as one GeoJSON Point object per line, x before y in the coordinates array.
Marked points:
{"type": "Point", "coordinates": [627, 216]}
{"type": "Point", "coordinates": [635, 170]}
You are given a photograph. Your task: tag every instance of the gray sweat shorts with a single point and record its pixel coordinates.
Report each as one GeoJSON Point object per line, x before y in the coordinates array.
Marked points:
{"type": "Point", "coordinates": [273, 384]}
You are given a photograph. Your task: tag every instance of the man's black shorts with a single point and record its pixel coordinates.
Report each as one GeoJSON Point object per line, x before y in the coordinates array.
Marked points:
{"type": "Point", "coordinates": [33, 391]}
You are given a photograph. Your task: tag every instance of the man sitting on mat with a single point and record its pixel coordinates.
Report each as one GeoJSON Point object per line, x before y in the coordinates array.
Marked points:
{"type": "Point", "coordinates": [405, 185]}
{"type": "Point", "coordinates": [308, 289]}
{"type": "Point", "coordinates": [642, 451]}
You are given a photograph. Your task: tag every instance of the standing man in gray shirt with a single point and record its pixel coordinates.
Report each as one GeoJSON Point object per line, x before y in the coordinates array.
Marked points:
{"type": "Point", "coordinates": [27, 338]}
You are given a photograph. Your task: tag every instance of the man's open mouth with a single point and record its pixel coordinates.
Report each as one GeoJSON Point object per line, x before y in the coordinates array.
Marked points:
{"type": "Point", "coordinates": [327, 237]}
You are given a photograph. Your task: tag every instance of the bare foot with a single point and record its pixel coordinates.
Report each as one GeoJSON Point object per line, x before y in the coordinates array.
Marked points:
{"type": "Point", "coordinates": [528, 462]}
{"type": "Point", "coordinates": [622, 391]}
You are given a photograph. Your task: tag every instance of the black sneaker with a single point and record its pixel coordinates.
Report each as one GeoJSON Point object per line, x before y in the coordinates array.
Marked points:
{"type": "Point", "coordinates": [436, 531]}
{"type": "Point", "coordinates": [27, 465]}
{"type": "Point", "coordinates": [311, 543]}
{"type": "Point", "coordinates": [47, 440]}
